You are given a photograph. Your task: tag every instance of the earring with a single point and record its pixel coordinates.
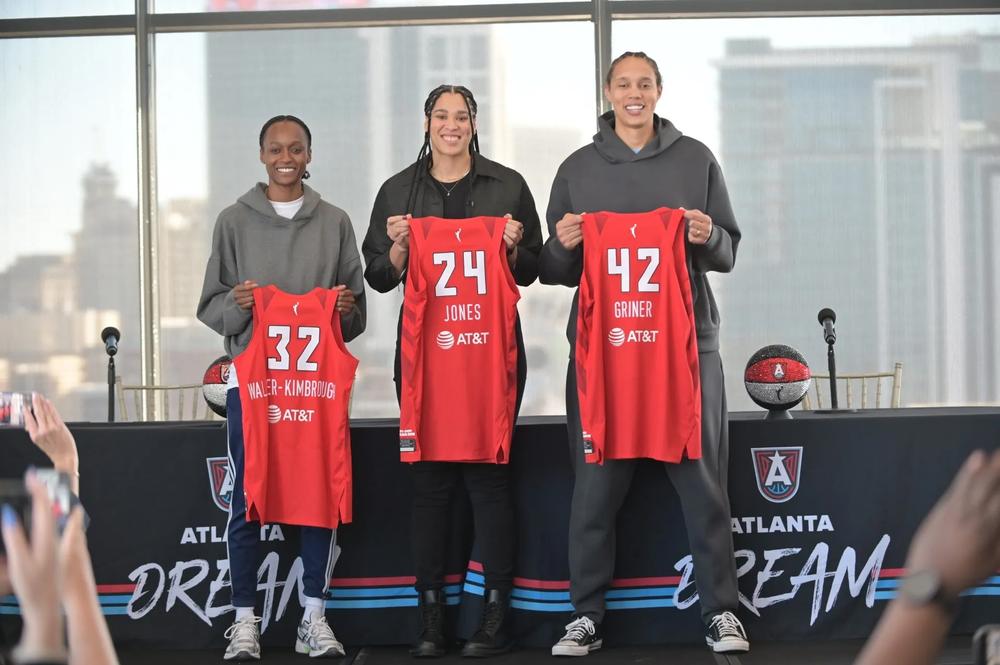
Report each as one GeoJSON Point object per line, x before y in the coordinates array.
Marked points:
{"type": "Point", "coordinates": [305, 175]}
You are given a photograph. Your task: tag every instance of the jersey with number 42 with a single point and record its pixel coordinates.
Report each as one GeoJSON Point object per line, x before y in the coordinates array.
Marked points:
{"type": "Point", "coordinates": [295, 385]}
{"type": "Point", "coordinates": [636, 348]}
{"type": "Point", "coordinates": [458, 351]}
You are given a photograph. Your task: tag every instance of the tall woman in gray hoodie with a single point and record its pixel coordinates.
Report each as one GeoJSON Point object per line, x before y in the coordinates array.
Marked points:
{"type": "Point", "coordinates": [284, 234]}
{"type": "Point", "coordinates": [639, 162]}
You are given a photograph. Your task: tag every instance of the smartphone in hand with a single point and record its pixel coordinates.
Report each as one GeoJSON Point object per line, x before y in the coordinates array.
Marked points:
{"type": "Point", "coordinates": [12, 408]}
{"type": "Point", "coordinates": [15, 494]}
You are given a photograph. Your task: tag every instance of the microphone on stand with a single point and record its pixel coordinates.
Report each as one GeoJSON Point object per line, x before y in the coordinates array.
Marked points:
{"type": "Point", "coordinates": [827, 317]}
{"type": "Point", "coordinates": [111, 336]}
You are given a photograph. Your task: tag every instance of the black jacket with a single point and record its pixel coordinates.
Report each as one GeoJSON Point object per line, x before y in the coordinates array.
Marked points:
{"type": "Point", "coordinates": [496, 191]}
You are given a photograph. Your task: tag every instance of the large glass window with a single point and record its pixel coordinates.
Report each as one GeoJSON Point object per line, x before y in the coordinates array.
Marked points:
{"type": "Point", "coordinates": [173, 6]}
{"type": "Point", "coordinates": [49, 8]}
{"type": "Point", "coordinates": [69, 255]}
{"type": "Point", "coordinates": [362, 93]}
{"type": "Point", "coordinates": [862, 157]}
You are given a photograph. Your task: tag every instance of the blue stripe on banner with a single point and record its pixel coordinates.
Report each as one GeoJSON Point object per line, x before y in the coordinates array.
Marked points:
{"type": "Point", "coordinates": [8, 599]}
{"type": "Point", "coordinates": [10, 610]}
{"type": "Point", "coordinates": [638, 604]}
{"type": "Point", "coordinates": [992, 580]}
{"type": "Point", "coordinates": [550, 596]}
{"type": "Point", "coordinates": [885, 595]}
{"type": "Point", "coordinates": [475, 589]}
{"type": "Point", "coordinates": [114, 610]}
{"type": "Point", "coordinates": [475, 577]}
{"type": "Point", "coordinates": [451, 598]}
{"type": "Point", "coordinates": [649, 592]}
{"type": "Point", "coordinates": [382, 592]}
{"type": "Point", "coordinates": [541, 607]}
{"type": "Point", "coordinates": [983, 591]}
{"type": "Point", "coordinates": [887, 584]}
{"type": "Point", "coordinates": [122, 599]}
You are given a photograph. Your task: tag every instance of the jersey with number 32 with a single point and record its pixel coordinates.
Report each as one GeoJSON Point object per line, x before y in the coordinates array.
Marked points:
{"type": "Point", "coordinates": [295, 384]}
{"type": "Point", "coordinates": [458, 352]}
{"type": "Point", "coordinates": [636, 348]}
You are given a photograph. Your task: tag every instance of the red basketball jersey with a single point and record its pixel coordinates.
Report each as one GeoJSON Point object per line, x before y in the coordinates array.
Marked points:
{"type": "Point", "coordinates": [636, 347]}
{"type": "Point", "coordinates": [295, 386]}
{"type": "Point", "coordinates": [457, 347]}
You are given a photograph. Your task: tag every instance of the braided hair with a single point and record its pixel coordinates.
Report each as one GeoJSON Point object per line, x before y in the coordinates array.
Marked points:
{"type": "Point", "coordinates": [425, 158]}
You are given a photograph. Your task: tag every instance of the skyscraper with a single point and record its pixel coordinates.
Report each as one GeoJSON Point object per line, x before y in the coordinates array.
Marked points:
{"type": "Point", "coordinates": [871, 175]}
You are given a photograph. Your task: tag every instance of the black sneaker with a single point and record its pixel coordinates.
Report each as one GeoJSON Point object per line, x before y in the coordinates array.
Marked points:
{"type": "Point", "coordinates": [491, 638]}
{"type": "Point", "coordinates": [582, 636]}
{"type": "Point", "coordinates": [725, 634]}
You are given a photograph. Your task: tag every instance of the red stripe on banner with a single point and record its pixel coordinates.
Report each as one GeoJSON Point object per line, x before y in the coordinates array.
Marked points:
{"type": "Point", "coordinates": [645, 581]}
{"type": "Point", "coordinates": [892, 572]}
{"type": "Point", "coordinates": [625, 582]}
{"type": "Point", "coordinates": [403, 580]}
{"type": "Point", "coordinates": [525, 583]}
{"type": "Point", "coordinates": [115, 588]}
{"type": "Point", "coordinates": [406, 580]}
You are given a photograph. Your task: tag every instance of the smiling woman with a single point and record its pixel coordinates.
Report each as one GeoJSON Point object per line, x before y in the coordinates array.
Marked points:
{"type": "Point", "coordinates": [285, 150]}
{"type": "Point", "coordinates": [282, 234]}
{"type": "Point", "coordinates": [452, 180]}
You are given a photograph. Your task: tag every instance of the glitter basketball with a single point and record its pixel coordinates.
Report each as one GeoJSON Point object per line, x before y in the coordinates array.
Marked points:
{"type": "Point", "coordinates": [777, 377]}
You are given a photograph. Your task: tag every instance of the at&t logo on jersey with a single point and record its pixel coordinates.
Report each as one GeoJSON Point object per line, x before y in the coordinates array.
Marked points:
{"type": "Point", "coordinates": [446, 340]}
{"type": "Point", "coordinates": [220, 480]}
{"type": "Point", "coordinates": [275, 415]}
{"type": "Point", "coordinates": [778, 471]}
{"type": "Point", "coordinates": [618, 337]}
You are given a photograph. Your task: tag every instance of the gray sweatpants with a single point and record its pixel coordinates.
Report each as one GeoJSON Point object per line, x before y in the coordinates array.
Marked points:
{"type": "Point", "coordinates": [702, 485]}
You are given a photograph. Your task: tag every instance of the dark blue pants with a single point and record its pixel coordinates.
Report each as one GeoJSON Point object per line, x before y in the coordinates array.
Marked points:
{"type": "Point", "coordinates": [317, 547]}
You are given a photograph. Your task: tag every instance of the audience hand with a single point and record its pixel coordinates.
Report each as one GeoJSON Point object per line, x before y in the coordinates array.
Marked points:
{"type": "Point", "coordinates": [34, 574]}
{"type": "Point", "coordinates": [48, 431]}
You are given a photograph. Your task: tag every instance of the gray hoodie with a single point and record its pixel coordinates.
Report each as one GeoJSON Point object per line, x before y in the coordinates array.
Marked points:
{"type": "Point", "coordinates": [251, 241]}
{"type": "Point", "coordinates": [672, 170]}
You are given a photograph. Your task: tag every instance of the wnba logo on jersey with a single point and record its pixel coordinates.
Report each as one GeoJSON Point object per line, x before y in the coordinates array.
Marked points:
{"type": "Point", "coordinates": [220, 480]}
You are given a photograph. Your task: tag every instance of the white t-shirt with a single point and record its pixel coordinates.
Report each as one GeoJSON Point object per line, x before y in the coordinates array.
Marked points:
{"type": "Point", "coordinates": [289, 208]}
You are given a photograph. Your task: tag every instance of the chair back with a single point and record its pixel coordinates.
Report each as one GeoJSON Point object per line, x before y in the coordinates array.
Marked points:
{"type": "Point", "coordinates": [858, 391]}
{"type": "Point", "coordinates": [180, 402]}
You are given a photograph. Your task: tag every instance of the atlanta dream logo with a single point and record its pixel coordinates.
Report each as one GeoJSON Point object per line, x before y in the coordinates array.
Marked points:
{"type": "Point", "coordinates": [220, 480]}
{"type": "Point", "coordinates": [778, 471]}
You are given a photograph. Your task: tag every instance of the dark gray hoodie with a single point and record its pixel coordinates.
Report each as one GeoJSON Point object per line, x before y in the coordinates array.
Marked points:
{"type": "Point", "coordinates": [251, 241]}
{"type": "Point", "coordinates": [672, 170]}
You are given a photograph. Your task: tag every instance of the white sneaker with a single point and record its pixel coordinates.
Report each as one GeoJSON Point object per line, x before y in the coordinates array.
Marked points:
{"type": "Point", "coordinates": [244, 639]}
{"type": "Point", "coordinates": [316, 638]}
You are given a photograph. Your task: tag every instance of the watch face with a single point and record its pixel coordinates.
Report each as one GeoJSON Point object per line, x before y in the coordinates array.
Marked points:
{"type": "Point", "coordinates": [921, 586]}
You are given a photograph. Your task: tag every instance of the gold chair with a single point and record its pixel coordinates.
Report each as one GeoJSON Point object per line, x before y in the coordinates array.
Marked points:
{"type": "Point", "coordinates": [847, 384]}
{"type": "Point", "coordinates": [164, 398]}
